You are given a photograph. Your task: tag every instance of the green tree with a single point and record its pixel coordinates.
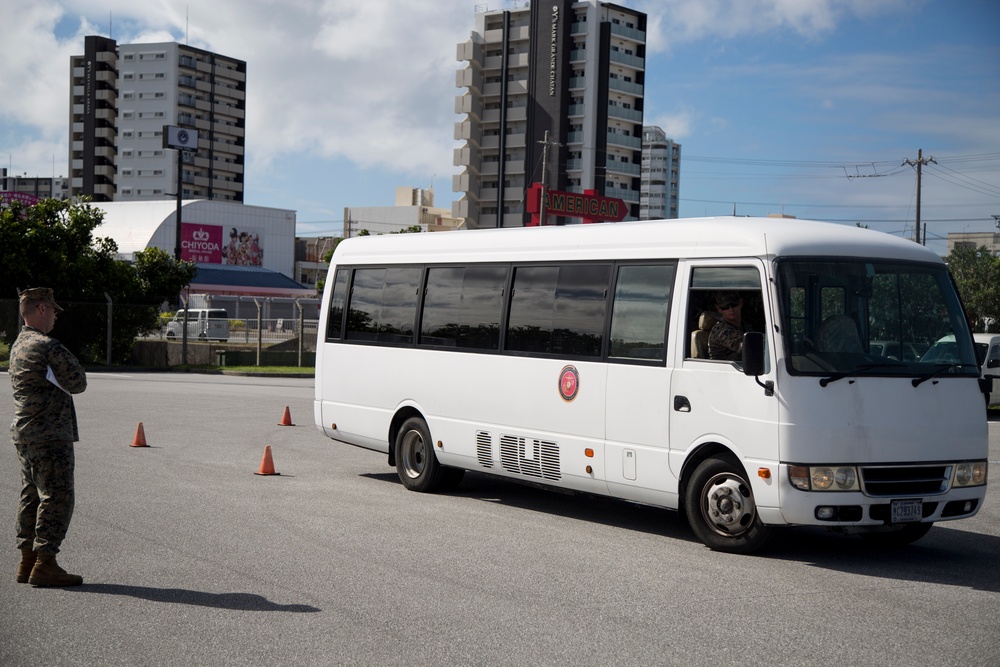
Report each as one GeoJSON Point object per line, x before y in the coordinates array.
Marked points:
{"type": "Point", "coordinates": [52, 244]}
{"type": "Point", "coordinates": [977, 273]}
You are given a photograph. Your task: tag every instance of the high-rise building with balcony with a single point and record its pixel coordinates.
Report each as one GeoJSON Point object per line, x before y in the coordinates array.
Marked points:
{"type": "Point", "coordinates": [121, 98]}
{"type": "Point", "coordinates": [661, 175]}
{"type": "Point", "coordinates": [559, 83]}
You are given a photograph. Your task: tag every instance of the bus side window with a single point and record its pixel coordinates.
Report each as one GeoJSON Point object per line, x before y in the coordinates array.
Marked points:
{"type": "Point", "coordinates": [383, 305]}
{"type": "Point", "coordinates": [640, 312]}
{"type": "Point", "coordinates": [335, 319]}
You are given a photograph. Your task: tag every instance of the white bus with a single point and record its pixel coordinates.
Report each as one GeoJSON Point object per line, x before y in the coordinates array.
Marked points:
{"type": "Point", "coordinates": [573, 357]}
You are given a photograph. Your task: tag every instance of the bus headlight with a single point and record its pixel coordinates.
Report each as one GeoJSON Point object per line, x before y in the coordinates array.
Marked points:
{"type": "Point", "coordinates": [972, 473]}
{"type": "Point", "coordinates": [824, 478]}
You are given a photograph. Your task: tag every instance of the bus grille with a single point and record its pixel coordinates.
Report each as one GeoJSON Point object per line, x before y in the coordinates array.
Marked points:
{"type": "Point", "coordinates": [484, 449]}
{"type": "Point", "coordinates": [530, 457]}
{"type": "Point", "coordinates": [905, 480]}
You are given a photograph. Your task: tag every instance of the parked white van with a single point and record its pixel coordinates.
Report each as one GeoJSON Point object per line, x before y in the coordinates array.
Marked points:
{"type": "Point", "coordinates": [204, 324]}
{"type": "Point", "coordinates": [989, 346]}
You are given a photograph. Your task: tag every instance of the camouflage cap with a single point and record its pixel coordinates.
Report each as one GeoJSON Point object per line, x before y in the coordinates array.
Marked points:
{"type": "Point", "coordinates": [43, 294]}
{"type": "Point", "coordinates": [724, 297]}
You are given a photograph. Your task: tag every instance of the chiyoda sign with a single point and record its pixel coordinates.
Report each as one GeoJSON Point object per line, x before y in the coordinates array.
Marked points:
{"type": "Point", "coordinates": [201, 243]}
{"type": "Point", "coordinates": [590, 207]}
{"type": "Point", "coordinates": [208, 244]}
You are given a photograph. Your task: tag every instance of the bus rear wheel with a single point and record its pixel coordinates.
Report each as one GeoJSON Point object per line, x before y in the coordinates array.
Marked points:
{"type": "Point", "coordinates": [416, 464]}
{"type": "Point", "coordinates": [720, 507]}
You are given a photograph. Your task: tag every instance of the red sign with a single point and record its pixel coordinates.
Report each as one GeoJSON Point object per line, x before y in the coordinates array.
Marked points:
{"type": "Point", "coordinates": [201, 243]}
{"type": "Point", "coordinates": [588, 206]}
{"type": "Point", "coordinates": [23, 197]}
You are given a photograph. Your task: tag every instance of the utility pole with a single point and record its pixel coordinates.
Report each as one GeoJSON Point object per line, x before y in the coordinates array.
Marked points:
{"type": "Point", "coordinates": [545, 168]}
{"type": "Point", "coordinates": [921, 161]}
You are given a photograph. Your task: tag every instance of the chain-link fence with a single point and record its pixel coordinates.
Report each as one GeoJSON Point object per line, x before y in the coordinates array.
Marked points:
{"type": "Point", "coordinates": [118, 333]}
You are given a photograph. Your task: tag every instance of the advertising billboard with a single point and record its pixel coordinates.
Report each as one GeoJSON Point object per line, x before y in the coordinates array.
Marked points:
{"type": "Point", "coordinates": [212, 244]}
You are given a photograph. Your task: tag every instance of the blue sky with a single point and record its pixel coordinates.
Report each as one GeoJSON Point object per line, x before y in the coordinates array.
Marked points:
{"type": "Point", "coordinates": [807, 108]}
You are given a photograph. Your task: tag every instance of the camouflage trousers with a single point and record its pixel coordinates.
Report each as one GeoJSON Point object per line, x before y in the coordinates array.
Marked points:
{"type": "Point", "coordinates": [47, 494]}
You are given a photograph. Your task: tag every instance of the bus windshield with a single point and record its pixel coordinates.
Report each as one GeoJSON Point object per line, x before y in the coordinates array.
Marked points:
{"type": "Point", "coordinates": [847, 317]}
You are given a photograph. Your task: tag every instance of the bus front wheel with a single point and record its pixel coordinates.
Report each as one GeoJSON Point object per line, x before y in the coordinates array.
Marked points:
{"type": "Point", "coordinates": [416, 463]}
{"type": "Point", "coordinates": [720, 507]}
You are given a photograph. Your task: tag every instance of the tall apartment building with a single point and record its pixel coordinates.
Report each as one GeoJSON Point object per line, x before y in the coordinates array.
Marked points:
{"type": "Point", "coordinates": [661, 175]}
{"type": "Point", "coordinates": [123, 95]}
{"type": "Point", "coordinates": [572, 69]}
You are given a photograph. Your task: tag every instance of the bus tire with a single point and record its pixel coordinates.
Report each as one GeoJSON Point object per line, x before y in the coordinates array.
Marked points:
{"type": "Point", "coordinates": [896, 537]}
{"type": "Point", "coordinates": [416, 463]}
{"type": "Point", "coordinates": [720, 507]}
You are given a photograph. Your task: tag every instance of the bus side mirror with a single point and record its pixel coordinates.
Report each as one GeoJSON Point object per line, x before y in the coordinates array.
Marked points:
{"type": "Point", "coordinates": [753, 360]}
{"type": "Point", "coordinates": [753, 353]}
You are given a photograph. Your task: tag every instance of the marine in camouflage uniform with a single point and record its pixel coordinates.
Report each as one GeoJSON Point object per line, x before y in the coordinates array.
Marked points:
{"type": "Point", "coordinates": [725, 341]}
{"type": "Point", "coordinates": [43, 431]}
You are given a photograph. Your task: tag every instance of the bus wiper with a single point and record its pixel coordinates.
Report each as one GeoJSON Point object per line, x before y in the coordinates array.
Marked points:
{"type": "Point", "coordinates": [856, 371]}
{"type": "Point", "coordinates": [916, 382]}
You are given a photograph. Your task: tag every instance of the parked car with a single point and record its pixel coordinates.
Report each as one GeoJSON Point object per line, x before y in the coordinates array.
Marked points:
{"type": "Point", "coordinates": [204, 324]}
{"type": "Point", "coordinates": [987, 353]}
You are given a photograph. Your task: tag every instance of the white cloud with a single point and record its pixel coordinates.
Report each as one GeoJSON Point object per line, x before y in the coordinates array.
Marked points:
{"type": "Point", "coordinates": [676, 126]}
{"type": "Point", "coordinates": [371, 82]}
{"type": "Point", "coordinates": [681, 21]}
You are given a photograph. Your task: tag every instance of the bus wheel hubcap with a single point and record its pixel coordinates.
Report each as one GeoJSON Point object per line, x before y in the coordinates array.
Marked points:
{"type": "Point", "coordinates": [729, 507]}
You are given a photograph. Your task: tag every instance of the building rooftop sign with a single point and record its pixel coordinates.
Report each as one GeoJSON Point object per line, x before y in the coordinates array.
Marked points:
{"type": "Point", "coordinates": [588, 206]}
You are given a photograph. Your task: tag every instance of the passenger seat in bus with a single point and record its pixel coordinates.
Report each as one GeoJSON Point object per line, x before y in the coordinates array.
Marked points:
{"type": "Point", "coordinates": [839, 333]}
{"type": "Point", "coordinates": [699, 337]}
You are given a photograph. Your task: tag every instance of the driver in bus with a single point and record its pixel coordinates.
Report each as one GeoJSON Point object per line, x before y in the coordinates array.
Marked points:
{"type": "Point", "coordinates": [725, 341]}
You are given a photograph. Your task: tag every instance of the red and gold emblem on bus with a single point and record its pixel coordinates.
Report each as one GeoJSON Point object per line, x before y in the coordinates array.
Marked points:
{"type": "Point", "coordinates": [569, 383]}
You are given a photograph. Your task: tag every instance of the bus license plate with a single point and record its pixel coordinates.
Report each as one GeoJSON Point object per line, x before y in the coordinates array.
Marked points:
{"type": "Point", "coordinates": [904, 511]}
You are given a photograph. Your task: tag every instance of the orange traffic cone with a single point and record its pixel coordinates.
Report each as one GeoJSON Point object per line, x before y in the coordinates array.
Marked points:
{"type": "Point", "coordinates": [286, 419]}
{"type": "Point", "coordinates": [140, 437]}
{"type": "Point", "coordinates": [266, 464]}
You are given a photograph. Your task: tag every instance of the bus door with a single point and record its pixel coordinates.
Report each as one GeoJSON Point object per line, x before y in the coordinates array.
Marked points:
{"type": "Point", "coordinates": [711, 400]}
{"type": "Point", "coordinates": [638, 381]}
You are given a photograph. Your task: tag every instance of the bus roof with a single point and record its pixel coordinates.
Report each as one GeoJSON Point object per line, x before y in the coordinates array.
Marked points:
{"type": "Point", "coordinates": [718, 237]}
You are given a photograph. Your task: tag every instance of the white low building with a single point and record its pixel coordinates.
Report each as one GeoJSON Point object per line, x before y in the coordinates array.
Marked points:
{"type": "Point", "coordinates": [239, 250]}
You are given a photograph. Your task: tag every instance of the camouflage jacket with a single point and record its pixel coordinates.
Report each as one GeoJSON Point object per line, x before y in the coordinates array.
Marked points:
{"type": "Point", "coordinates": [725, 341]}
{"type": "Point", "coordinates": [43, 411]}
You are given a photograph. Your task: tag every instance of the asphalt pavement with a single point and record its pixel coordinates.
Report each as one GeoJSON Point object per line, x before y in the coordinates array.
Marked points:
{"type": "Point", "coordinates": [189, 558]}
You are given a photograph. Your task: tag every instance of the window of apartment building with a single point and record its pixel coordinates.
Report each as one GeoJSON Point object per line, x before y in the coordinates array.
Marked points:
{"type": "Point", "coordinates": [127, 153]}
{"type": "Point", "coordinates": [151, 114]}
{"type": "Point", "coordinates": [126, 191]}
{"type": "Point", "coordinates": [128, 76]}
{"type": "Point", "coordinates": [126, 172]}
{"type": "Point", "coordinates": [128, 96]}
{"type": "Point", "coordinates": [127, 134]}
{"type": "Point", "coordinates": [128, 56]}
{"type": "Point", "coordinates": [128, 115]}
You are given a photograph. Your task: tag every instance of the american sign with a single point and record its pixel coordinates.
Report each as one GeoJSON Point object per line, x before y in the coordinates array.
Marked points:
{"type": "Point", "coordinates": [590, 207]}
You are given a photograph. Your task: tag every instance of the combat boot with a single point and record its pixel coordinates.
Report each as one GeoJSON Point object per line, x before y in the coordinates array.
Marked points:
{"type": "Point", "coordinates": [47, 572]}
{"type": "Point", "coordinates": [28, 557]}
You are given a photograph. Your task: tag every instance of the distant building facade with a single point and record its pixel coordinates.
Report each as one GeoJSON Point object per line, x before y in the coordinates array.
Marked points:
{"type": "Point", "coordinates": [414, 207]}
{"type": "Point", "coordinates": [121, 96]}
{"type": "Point", "coordinates": [661, 175]}
{"type": "Point", "coordinates": [39, 187]}
{"type": "Point", "coordinates": [975, 240]}
{"type": "Point", "coordinates": [573, 70]}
